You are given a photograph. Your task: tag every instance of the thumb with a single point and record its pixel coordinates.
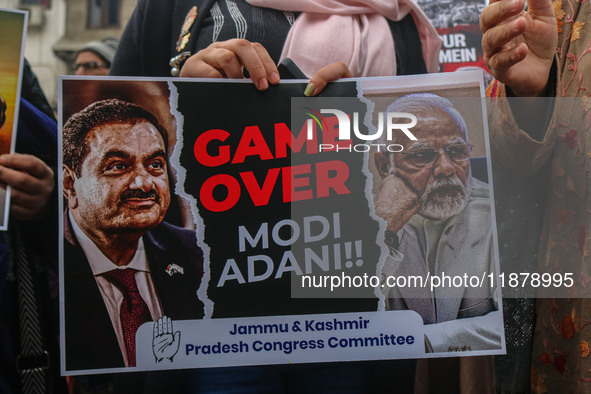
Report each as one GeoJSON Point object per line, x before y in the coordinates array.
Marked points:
{"type": "Point", "coordinates": [177, 337]}
{"type": "Point", "coordinates": [540, 7]}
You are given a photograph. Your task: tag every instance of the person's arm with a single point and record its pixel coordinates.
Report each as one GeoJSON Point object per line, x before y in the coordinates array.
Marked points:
{"type": "Point", "coordinates": [519, 46]}
{"type": "Point", "coordinates": [473, 333]}
{"type": "Point", "coordinates": [395, 201]}
{"type": "Point", "coordinates": [144, 47]}
{"type": "Point", "coordinates": [391, 264]}
{"type": "Point", "coordinates": [31, 172]}
{"type": "Point", "coordinates": [228, 59]}
{"type": "Point", "coordinates": [32, 183]}
{"type": "Point", "coordinates": [519, 50]}
{"type": "Point", "coordinates": [34, 202]}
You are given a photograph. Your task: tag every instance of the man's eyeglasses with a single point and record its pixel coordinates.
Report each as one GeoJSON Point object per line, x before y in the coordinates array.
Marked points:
{"type": "Point", "coordinates": [89, 66]}
{"type": "Point", "coordinates": [424, 157]}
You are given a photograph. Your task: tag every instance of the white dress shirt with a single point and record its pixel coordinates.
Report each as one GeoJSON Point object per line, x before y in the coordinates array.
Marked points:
{"type": "Point", "coordinates": [112, 296]}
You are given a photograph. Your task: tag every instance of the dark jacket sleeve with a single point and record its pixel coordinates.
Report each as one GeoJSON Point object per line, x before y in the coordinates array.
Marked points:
{"type": "Point", "coordinates": [145, 46]}
{"type": "Point", "coordinates": [32, 92]}
{"type": "Point", "coordinates": [37, 135]}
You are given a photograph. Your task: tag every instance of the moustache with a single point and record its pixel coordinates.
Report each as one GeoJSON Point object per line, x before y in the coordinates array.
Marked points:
{"type": "Point", "coordinates": [138, 194]}
{"type": "Point", "coordinates": [445, 185]}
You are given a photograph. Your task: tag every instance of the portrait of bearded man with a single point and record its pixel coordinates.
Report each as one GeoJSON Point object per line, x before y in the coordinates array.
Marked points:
{"type": "Point", "coordinates": [438, 221]}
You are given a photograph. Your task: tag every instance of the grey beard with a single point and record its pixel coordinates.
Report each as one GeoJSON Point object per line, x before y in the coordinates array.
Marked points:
{"type": "Point", "coordinates": [436, 207]}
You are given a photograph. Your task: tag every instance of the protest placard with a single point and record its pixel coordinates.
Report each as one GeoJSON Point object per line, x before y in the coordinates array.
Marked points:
{"type": "Point", "coordinates": [208, 224]}
{"type": "Point", "coordinates": [13, 27]}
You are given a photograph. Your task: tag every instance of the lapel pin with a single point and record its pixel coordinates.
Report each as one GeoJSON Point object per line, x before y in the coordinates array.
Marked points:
{"type": "Point", "coordinates": [187, 24]}
{"type": "Point", "coordinates": [174, 269]}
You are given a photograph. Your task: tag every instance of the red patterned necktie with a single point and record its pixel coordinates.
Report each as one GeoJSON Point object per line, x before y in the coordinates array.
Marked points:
{"type": "Point", "coordinates": [134, 311]}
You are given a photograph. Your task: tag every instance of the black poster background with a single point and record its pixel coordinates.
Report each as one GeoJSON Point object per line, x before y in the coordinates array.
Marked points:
{"type": "Point", "coordinates": [233, 107]}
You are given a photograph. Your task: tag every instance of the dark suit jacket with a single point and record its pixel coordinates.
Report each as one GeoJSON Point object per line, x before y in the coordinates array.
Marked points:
{"type": "Point", "coordinates": [89, 336]}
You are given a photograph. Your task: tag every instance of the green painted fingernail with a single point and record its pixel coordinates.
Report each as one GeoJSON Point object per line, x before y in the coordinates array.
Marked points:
{"type": "Point", "coordinates": [310, 89]}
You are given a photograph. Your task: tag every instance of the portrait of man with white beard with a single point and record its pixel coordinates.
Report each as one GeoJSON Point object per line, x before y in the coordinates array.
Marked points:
{"type": "Point", "coordinates": [438, 221]}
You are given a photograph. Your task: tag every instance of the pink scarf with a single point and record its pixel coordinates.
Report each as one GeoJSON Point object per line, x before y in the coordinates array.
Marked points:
{"type": "Point", "coordinates": [355, 32]}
